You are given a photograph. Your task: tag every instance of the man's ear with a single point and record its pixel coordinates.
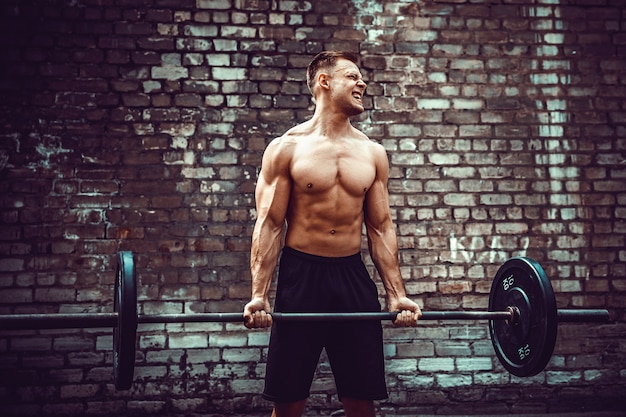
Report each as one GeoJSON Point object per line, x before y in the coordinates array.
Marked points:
{"type": "Point", "coordinates": [323, 80]}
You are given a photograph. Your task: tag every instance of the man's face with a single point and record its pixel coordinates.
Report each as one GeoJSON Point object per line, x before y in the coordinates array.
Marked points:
{"type": "Point", "coordinates": [347, 87]}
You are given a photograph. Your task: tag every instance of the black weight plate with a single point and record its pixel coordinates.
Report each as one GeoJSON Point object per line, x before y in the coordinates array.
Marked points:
{"type": "Point", "coordinates": [524, 349]}
{"type": "Point", "coordinates": [125, 333]}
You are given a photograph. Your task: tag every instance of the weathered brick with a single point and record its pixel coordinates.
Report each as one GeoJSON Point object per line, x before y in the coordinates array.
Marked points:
{"type": "Point", "coordinates": [445, 364]}
{"type": "Point", "coordinates": [188, 404]}
{"type": "Point", "coordinates": [146, 406]}
{"type": "Point", "coordinates": [49, 295]}
{"type": "Point", "coordinates": [401, 366]}
{"type": "Point", "coordinates": [169, 72]}
{"type": "Point", "coordinates": [474, 364]}
{"type": "Point", "coordinates": [445, 380]}
{"type": "Point", "coordinates": [214, 4]}
{"type": "Point", "coordinates": [32, 344]}
{"type": "Point", "coordinates": [241, 355]}
{"type": "Point", "coordinates": [187, 341]}
{"type": "Point", "coordinates": [16, 296]}
{"type": "Point", "coordinates": [234, 340]}
{"type": "Point", "coordinates": [11, 265]}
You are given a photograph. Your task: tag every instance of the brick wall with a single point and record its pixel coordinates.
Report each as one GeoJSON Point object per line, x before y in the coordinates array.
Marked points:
{"type": "Point", "coordinates": [140, 124]}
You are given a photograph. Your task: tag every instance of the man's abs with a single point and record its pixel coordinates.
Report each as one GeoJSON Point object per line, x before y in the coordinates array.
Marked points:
{"type": "Point", "coordinates": [327, 223]}
{"type": "Point", "coordinates": [328, 240]}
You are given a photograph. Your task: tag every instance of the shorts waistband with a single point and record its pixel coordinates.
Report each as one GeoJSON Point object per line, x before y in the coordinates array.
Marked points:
{"type": "Point", "coordinates": [321, 259]}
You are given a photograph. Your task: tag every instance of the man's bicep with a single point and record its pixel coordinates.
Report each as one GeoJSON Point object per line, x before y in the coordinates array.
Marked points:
{"type": "Point", "coordinates": [273, 187]}
{"type": "Point", "coordinates": [377, 210]}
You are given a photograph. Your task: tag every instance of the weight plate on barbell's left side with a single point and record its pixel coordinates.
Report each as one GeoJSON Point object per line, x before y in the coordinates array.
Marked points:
{"type": "Point", "coordinates": [125, 332]}
{"type": "Point", "coordinates": [525, 348]}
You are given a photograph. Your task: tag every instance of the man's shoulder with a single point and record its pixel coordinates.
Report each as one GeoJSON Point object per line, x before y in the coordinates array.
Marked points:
{"type": "Point", "coordinates": [366, 141]}
{"type": "Point", "coordinates": [287, 139]}
{"type": "Point", "coordinates": [302, 129]}
{"type": "Point", "coordinates": [280, 148]}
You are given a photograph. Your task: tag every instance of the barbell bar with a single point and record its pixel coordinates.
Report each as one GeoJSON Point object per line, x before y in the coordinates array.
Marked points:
{"type": "Point", "coordinates": [522, 318]}
{"type": "Point", "coordinates": [102, 320]}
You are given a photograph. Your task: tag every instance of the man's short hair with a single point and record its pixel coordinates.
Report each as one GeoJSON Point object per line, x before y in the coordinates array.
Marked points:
{"type": "Point", "coordinates": [324, 61]}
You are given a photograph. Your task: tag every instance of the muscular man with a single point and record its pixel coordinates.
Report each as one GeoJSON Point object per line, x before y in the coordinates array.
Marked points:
{"type": "Point", "coordinates": [320, 182]}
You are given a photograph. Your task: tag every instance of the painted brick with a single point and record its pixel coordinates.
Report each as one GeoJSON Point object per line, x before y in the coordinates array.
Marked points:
{"type": "Point", "coordinates": [241, 355]}
{"type": "Point", "coordinates": [449, 348]}
{"type": "Point", "coordinates": [436, 364]}
{"type": "Point", "coordinates": [413, 350]}
{"type": "Point", "coordinates": [473, 364]}
{"type": "Point", "coordinates": [230, 340]}
{"type": "Point", "coordinates": [433, 104]}
{"type": "Point", "coordinates": [187, 341]}
{"type": "Point", "coordinates": [214, 4]}
{"type": "Point", "coordinates": [402, 365]}
{"type": "Point", "coordinates": [445, 380]}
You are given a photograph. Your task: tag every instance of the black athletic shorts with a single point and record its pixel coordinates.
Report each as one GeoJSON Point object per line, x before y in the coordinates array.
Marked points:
{"type": "Point", "coordinates": [309, 283]}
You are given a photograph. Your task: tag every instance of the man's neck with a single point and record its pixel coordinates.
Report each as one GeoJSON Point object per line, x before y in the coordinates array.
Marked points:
{"type": "Point", "coordinates": [330, 123]}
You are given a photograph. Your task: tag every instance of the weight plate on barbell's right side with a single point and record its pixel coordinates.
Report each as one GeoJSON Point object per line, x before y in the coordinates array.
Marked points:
{"type": "Point", "coordinates": [525, 348]}
{"type": "Point", "coordinates": [125, 332]}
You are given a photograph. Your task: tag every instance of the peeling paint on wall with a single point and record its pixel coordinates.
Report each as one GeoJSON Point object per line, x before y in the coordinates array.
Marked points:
{"type": "Point", "coordinates": [48, 151]}
{"type": "Point", "coordinates": [369, 8]}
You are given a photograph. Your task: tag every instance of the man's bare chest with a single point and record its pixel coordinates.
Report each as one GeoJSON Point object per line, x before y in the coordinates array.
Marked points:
{"type": "Point", "coordinates": [325, 169]}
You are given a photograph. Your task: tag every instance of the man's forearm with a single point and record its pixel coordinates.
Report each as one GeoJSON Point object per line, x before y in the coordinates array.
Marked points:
{"type": "Point", "coordinates": [383, 248]}
{"type": "Point", "coordinates": [263, 259]}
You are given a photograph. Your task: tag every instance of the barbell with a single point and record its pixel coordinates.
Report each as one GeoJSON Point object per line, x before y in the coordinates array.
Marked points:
{"type": "Point", "coordinates": [522, 315]}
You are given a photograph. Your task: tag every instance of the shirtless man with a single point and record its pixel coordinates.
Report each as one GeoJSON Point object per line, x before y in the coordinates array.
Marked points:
{"type": "Point", "coordinates": [321, 181]}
